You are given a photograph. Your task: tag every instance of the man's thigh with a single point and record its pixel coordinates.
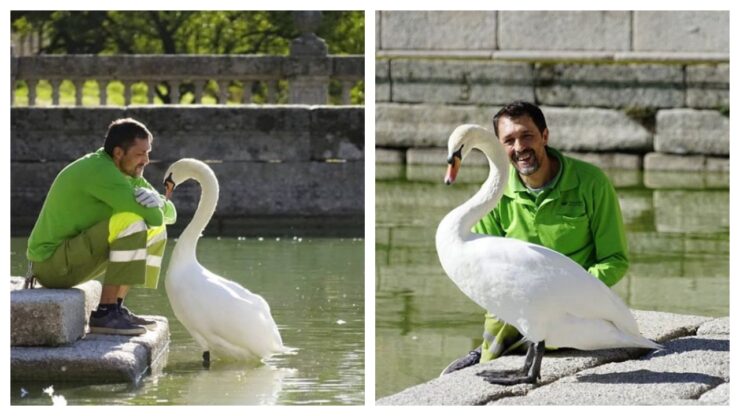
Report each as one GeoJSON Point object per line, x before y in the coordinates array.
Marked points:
{"type": "Point", "coordinates": [77, 260]}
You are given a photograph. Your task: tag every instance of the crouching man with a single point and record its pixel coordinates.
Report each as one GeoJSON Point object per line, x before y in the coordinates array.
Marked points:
{"type": "Point", "coordinates": [102, 218]}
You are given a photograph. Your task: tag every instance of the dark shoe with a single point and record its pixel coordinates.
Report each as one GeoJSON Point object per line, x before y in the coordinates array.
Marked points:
{"type": "Point", "coordinates": [114, 323]}
{"type": "Point", "coordinates": [472, 358]}
{"type": "Point", "coordinates": [137, 320]}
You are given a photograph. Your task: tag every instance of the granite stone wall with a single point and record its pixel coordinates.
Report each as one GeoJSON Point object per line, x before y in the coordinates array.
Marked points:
{"type": "Point", "coordinates": [650, 86]}
{"type": "Point", "coordinates": [296, 164]}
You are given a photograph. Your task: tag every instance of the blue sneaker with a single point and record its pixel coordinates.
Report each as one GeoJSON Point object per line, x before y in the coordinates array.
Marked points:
{"type": "Point", "coordinates": [114, 323]}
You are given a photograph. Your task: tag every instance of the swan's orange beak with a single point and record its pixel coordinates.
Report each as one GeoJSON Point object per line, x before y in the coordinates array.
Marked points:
{"type": "Point", "coordinates": [452, 168]}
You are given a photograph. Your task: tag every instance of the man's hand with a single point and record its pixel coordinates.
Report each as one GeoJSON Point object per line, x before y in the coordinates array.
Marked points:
{"type": "Point", "coordinates": [148, 198]}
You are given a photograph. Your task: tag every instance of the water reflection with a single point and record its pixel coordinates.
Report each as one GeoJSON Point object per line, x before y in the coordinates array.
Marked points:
{"type": "Point", "coordinates": [677, 229]}
{"type": "Point", "coordinates": [315, 288]}
{"type": "Point", "coordinates": [231, 383]}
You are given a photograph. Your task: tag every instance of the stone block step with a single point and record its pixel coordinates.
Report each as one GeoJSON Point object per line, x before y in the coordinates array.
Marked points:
{"type": "Point", "coordinates": [50, 317]}
{"type": "Point", "coordinates": [95, 358]}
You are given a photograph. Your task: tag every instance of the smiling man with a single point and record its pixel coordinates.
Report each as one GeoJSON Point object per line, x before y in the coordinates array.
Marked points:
{"type": "Point", "coordinates": [552, 200]}
{"type": "Point", "coordinates": [101, 217]}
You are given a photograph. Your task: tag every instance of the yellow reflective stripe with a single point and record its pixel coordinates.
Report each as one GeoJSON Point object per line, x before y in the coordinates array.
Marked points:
{"type": "Point", "coordinates": [122, 256]}
{"type": "Point", "coordinates": [134, 228]}
{"type": "Point", "coordinates": [120, 222]}
{"type": "Point", "coordinates": [155, 237]}
{"type": "Point", "coordinates": [154, 261]}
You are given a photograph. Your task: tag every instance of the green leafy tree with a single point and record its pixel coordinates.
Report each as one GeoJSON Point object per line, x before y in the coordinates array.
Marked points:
{"type": "Point", "coordinates": [183, 32]}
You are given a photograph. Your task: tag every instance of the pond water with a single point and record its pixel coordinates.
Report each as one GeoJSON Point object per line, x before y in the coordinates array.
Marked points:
{"type": "Point", "coordinates": [678, 233]}
{"type": "Point", "coordinates": [315, 288]}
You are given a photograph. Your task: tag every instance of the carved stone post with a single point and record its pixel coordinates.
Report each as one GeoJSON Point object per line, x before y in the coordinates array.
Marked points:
{"type": "Point", "coordinates": [310, 65]}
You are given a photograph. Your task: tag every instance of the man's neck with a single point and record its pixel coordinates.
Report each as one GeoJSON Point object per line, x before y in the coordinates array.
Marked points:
{"type": "Point", "coordinates": [547, 171]}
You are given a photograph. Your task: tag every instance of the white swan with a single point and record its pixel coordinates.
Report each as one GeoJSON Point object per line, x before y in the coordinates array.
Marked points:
{"type": "Point", "coordinates": [545, 295]}
{"type": "Point", "coordinates": [222, 316]}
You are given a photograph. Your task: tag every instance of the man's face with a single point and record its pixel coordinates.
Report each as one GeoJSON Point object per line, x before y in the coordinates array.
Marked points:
{"type": "Point", "coordinates": [133, 161]}
{"type": "Point", "coordinates": [524, 143]}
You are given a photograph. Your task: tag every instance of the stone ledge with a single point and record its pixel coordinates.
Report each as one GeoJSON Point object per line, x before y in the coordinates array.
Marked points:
{"type": "Point", "coordinates": [563, 56]}
{"type": "Point", "coordinates": [50, 317]}
{"type": "Point", "coordinates": [95, 358]}
{"type": "Point", "coordinates": [685, 370]}
{"type": "Point", "coordinates": [464, 387]}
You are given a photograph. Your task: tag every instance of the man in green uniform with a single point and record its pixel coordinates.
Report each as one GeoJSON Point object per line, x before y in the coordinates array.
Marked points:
{"type": "Point", "coordinates": [552, 200]}
{"type": "Point", "coordinates": [101, 217]}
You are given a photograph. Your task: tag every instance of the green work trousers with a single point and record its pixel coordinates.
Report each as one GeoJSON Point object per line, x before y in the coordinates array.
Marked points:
{"type": "Point", "coordinates": [122, 249]}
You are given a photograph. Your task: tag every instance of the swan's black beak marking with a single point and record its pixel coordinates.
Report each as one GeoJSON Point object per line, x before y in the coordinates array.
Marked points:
{"type": "Point", "coordinates": [453, 165]}
{"type": "Point", "coordinates": [169, 186]}
{"type": "Point", "coordinates": [457, 154]}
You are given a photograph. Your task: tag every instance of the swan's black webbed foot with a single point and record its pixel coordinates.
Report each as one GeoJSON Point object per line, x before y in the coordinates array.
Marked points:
{"type": "Point", "coordinates": [529, 374]}
{"type": "Point", "coordinates": [207, 360]}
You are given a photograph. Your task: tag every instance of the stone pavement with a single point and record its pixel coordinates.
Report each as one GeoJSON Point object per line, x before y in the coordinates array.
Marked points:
{"type": "Point", "coordinates": [692, 369]}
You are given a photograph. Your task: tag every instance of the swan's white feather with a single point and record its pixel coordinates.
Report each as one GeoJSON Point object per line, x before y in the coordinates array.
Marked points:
{"type": "Point", "coordinates": [222, 316]}
{"type": "Point", "coordinates": [544, 294]}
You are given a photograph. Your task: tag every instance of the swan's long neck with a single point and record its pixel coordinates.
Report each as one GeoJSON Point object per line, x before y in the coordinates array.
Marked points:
{"type": "Point", "coordinates": [206, 206]}
{"type": "Point", "coordinates": [459, 222]}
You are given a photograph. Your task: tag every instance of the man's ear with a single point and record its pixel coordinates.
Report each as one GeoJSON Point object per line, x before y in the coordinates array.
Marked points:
{"type": "Point", "coordinates": [545, 134]}
{"type": "Point", "coordinates": [118, 153]}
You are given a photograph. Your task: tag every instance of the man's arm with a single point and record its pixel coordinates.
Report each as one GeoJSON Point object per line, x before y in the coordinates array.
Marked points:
{"type": "Point", "coordinates": [169, 213]}
{"type": "Point", "coordinates": [607, 230]}
{"type": "Point", "coordinates": [118, 193]}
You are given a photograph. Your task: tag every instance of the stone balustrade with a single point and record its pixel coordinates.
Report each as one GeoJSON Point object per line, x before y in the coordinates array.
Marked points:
{"type": "Point", "coordinates": [308, 71]}
{"type": "Point", "coordinates": [170, 72]}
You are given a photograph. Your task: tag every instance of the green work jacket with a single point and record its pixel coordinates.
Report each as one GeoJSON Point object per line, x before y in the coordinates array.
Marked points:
{"type": "Point", "coordinates": [85, 192]}
{"type": "Point", "coordinates": [578, 217]}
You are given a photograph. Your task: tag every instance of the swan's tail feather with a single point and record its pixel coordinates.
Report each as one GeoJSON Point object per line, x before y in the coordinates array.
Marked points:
{"type": "Point", "coordinates": [595, 334]}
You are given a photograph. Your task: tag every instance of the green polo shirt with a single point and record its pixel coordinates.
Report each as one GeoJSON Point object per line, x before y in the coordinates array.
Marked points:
{"type": "Point", "coordinates": [578, 216]}
{"type": "Point", "coordinates": [85, 192]}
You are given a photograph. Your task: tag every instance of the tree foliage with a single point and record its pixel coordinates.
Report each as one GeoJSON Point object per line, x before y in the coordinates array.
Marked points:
{"type": "Point", "coordinates": [183, 32]}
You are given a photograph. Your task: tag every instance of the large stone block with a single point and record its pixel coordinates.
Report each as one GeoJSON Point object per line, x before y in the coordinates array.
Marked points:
{"type": "Point", "coordinates": [708, 86]}
{"type": "Point", "coordinates": [460, 81]}
{"type": "Point", "coordinates": [565, 30]}
{"type": "Point", "coordinates": [658, 162]}
{"type": "Point", "coordinates": [687, 131]}
{"type": "Point", "coordinates": [51, 317]}
{"type": "Point", "coordinates": [692, 211]}
{"type": "Point", "coordinates": [402, 125]}
{"type": "Point", "coordinates": [437, 30]}
{"type": "Point", "coordinates": [610, 85]}
{"type": "Point", "coordinates": [682, 31]}
{"type": "Point", "coordinates": [95, 358]}
{"type": "Point", "coordinates": [337, 133]}
{"type": "Point", "coordinates": [595, 130]}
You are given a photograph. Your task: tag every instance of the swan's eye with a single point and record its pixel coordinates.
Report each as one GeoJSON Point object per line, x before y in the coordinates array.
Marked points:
{"type": "Point", "coordinates": [457, 154]}
{"type": "Point", "coordinates": [169, 180]}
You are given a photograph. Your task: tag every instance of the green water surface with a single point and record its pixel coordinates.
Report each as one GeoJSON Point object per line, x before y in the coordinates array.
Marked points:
{"type": "Point", "coordinates": [677, 228]}
{"type": "Point", "coordinates": [315, 288]}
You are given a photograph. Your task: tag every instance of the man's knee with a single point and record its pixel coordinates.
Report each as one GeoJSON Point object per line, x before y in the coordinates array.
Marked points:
{"type": "Point", "coordinates": [124, 224]}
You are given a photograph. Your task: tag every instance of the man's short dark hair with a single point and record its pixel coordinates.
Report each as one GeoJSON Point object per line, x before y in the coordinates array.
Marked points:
{"type": "Point", "coordinates": [521, 108]}
{"type": "Point", "coordinates": [123, 132]}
